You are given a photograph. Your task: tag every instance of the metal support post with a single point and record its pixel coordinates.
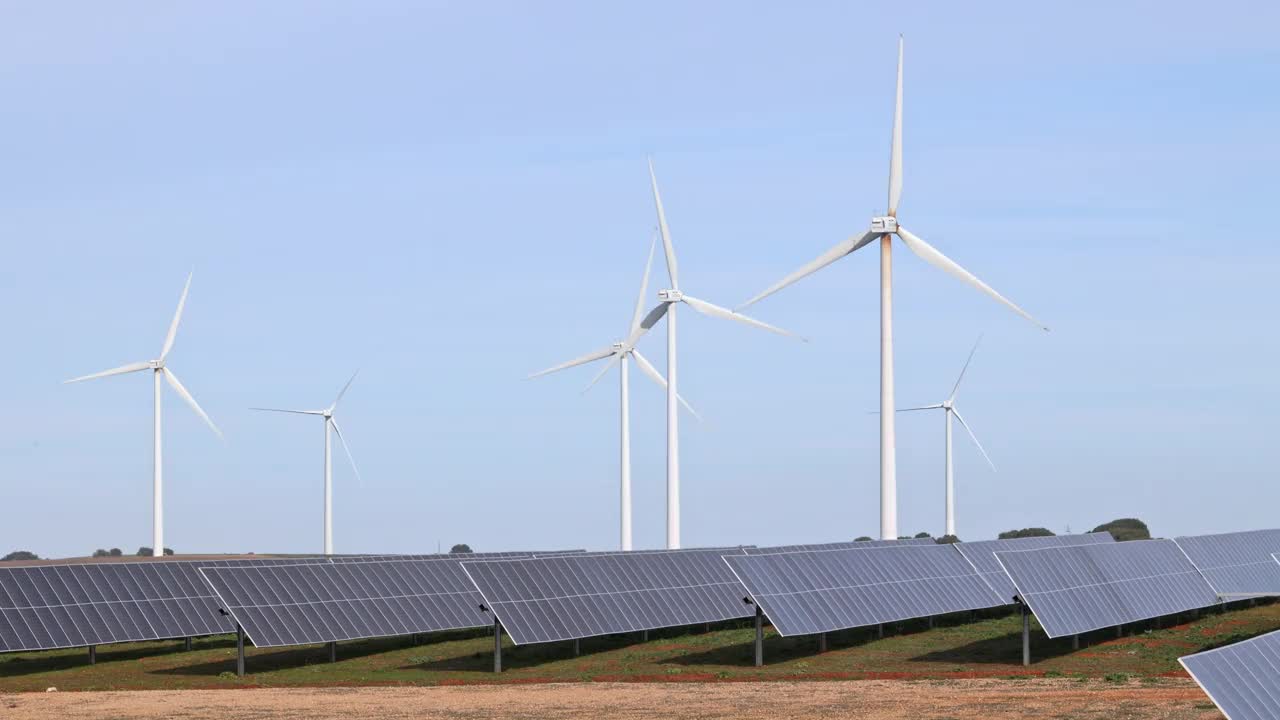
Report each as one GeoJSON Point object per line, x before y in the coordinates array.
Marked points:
{"type": "Point", "coordinates": [1120, 631]}
{"type": "Point", "coordinates": [930, 622]}
{"type": "Point", "coordinates": [497, 645]}
{"type": "Point", "coordinates": [186, 644]}
{"type": "Point", "coordinates": [759, 637]}
{"type": "Point", "coordinates": [239, 651]}
{"type": "Point", "coordinates": [880, 631]}
{"type": "Point", "coordinates": [1075, 642]}
{"type": "Point", "coordinates": [333, 652]}
{"type": "Point", "coordinates": [822, 642]}
{"type": "Point", "coordinates": [1026, 637]}
{"type": "Point", "coordinates": [577, 647]}
{"type": "Point", "coordinates": [93, 654]}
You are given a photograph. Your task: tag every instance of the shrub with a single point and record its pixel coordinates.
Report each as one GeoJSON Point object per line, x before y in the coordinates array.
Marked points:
{"type": "Point", "coordinates": [1025, 532]}
{"type": "Point", "coordinates": [1125, 529]}
{"type": "Point", "coordinates": [20, 555]}
{"type": "Point", "coordinates": [460, 548]}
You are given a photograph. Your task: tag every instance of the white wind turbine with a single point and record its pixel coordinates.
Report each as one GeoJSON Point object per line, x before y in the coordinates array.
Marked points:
{"type": "Point", "coordinates": [159, 369]}
{"type": "Point", "coordinates": [329, 422]}
{"type": "Point", "coordinates": [948, 407]}
{"type": "Point", "coordinates": [669, 298]}
{"type": "Point", "coordinates": [884, 228]}
{"type": "Point", "coordinates": [618, 354]}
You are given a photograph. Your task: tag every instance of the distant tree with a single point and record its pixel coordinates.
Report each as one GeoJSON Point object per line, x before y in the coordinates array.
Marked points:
{"type": "Point", "coordinates": [922, 535]}
{"type": "Point", "coordinates": [1026, 532]}
{"type": "Point", "coordinates": [116, 552]}
{"type": "Point", "coordinates": [20, 555]}
{"type": "Point", "coordinates": [101, 553]}
{"type": "Point", "coordinates": [947, 540]}
{"type": "Point", "coordinates": [1125, 529]}
{"type": "Point", "coordinates": [460, 548]}
{"type": "Point", "coordinates": [145, 551]}
{"type": "Point", "coordinates": [862, 538]}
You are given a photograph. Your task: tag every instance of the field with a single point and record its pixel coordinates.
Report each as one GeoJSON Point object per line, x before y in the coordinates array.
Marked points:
{"type": "Point", "coordinates": [978, 660]}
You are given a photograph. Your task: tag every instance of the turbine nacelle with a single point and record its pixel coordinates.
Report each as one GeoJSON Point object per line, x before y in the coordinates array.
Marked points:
{"type": "Point", "coordinates": [619, 346]}
{"type": "Point", "coordinates": [156, 364]}
{"type": "Point", "coordinates": [886, 225]}
{"type": "Point", "coordinates": [670, 296]}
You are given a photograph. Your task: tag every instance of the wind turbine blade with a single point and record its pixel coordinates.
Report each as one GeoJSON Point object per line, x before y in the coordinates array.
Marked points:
{"type": "Point", "coordinates": [648, 369]}
{"type": "Point", "coordinates": [182, 391]}
{"type": "Point", "coordinates": [350, 458]}
{"type": "Point", "coordinates": [334, 406]}
{"type": "Point", "coordinates": [965, 425]}
{"type": "Point", "coordinates": [296, 412]}
{"type": "Point", "coordinates": [589, 357]}
{"type": "Point", "coordinates": [177, 317]}
{"type": "Point", "coordinates": [647, 323]}
{"type": "Point", "coordinates": [707, 308]}
{"type": "Point", "coordinates": [895, 150]}
{"type": "Point", "coordinates": [930, 255]}
{"type": "Point", "coordinates": [667, 248]}
{"type": "Point", "coordinates": [644, 288]}
{"type": "Point", "coordinates": [922, 407]}
{"type": "Point", "coordinates": [131, 367]}
{"type": "Point", "coordinates": [956, 388]}
{"type": "Point", "coordinates": [844, 247]}
{"type": "Point", "coordinates": [603, 370]}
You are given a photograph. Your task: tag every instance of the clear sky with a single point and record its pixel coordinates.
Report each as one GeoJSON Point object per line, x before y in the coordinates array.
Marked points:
{"type": "Point", "coordinates": [449, 196]}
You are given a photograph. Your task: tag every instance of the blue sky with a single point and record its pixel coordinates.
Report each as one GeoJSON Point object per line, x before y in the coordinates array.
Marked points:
{"type": "Point", "coordinates": [449, 196]}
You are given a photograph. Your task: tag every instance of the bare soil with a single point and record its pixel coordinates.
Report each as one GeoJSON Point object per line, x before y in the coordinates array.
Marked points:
{"type": "Point", "coordinates": [1166, 699]}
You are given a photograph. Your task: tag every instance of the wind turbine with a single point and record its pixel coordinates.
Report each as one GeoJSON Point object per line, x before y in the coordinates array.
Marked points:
{"type": "Point", "coordinates": [618, 354]}
{"type": "Point", "coordinates": [948, 407]}
{"type": "Point", "coordinates": [884, 228]}
{"type": "Point", "coordinates": [329, 422]}
{"type": "Point", "coordinates": [159, 369]}
{"type": "Point", "coordinates": [669, 299]}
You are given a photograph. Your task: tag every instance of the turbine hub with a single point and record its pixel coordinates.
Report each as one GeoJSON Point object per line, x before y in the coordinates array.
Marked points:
{"type": "Point", "coordinates": [157, 364]}
{"type": "Point", "coordinates": [618, 346]}
{"type": "Point", "coordinates": [947, 405]}
{"type": "Point", "coordinates": [670, 296]}
{"type": "Point", "coordinates": [886, 225]}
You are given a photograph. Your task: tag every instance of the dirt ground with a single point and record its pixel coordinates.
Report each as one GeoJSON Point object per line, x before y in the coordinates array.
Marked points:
{"type": "Point", "coordinates": [1167, 699]}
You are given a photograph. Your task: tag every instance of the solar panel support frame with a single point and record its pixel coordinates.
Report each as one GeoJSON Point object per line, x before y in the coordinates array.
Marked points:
{"type": "Point", "coordinates": [93, 654]}
{"type": "Point", "coordinates": [333, 652]}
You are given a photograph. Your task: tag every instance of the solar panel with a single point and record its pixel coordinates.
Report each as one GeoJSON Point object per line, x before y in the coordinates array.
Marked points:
{"type": "Point", "coordinates": [1236, 563]}
{"type": "Point", "coordinates": [281, 605]}
{"type": "Point", "coordinates": [982, 554]}
{"type": "Point", "coordinates": [809, 592]}
{"type": "Point", "coordinates": [851, 545]}
{"type": "Point", "coordinates": [44, 607]}
{"type": "Point", "coordinates": [1086, 587]}
{"type": "Point", "coordinates": [596, 553]}
{"type": "Point", "coordinates": [1243, 679]}
{"type": "Point", "coordinates": [578, 596]}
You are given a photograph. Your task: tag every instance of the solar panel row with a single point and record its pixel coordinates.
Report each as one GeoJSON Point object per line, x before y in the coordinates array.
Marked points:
{"type": "Point", "coordinates": [851, 545]}
{"type": "Point", "coordinates": [982, 554]}
{"type": "Point", "coordinates": [1243, 679]}
{"type": "Point", "coordinates": [811, 592]}
{"type": "Point", "coordinates": [571, 597]}
{"type": "Point", "coordinates": [1236, 564]}
{"type": "Point", "coordinates": [1072, 590]}
{"type": "Point", "coordinates": [304, 604]}
{"type": "Point", "coordinates": [44, 607]}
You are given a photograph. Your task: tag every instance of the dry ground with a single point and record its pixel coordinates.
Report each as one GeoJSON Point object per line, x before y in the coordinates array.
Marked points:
{"type": "Point", "coordinates": [1167, 699]}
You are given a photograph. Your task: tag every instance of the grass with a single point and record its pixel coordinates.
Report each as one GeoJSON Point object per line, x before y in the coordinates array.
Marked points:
{"type": "Point", "coordinates": [956, 648]}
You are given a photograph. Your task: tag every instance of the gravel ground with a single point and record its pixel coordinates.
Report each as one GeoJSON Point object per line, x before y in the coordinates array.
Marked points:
{"type": "Point", "coordinates": [888, 699]}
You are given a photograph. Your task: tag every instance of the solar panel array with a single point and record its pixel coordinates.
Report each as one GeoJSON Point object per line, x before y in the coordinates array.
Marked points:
{"type": "Point", "coordinates": [822, 591]}
{"type": "Point", "coordinates": [439, 556]}
{"type": "Point", "coordinates": [851, 545]}
{"type": "Point", "coordinates": [1086, 587]}
{"type": "Point", "coordinates": [44, 607]}
{"type": "Point", "coordinates": [303, 604]}
{"type": "Point", "coordinates": [982, 554]}
{"type": "Point", "coordinates": [1236, 563]}
{"type": "Point", "coordinates": [1243, 679]}
{"type": "Point", "coordinates": [578, 596]}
